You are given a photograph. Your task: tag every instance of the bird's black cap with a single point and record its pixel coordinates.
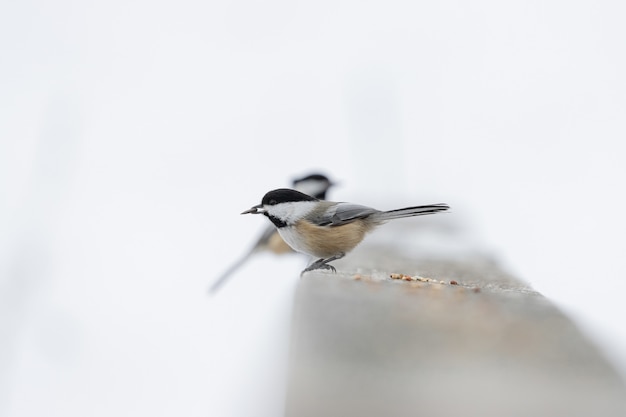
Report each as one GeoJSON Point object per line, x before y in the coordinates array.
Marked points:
{"type": "Point", "coordinates": [315, 177]}
{"type": "Point", "coordinates": [285, 195]}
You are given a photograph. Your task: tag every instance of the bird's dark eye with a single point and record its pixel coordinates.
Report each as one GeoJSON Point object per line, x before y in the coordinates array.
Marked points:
{"type": "Point", "coordinates": [272, 202]}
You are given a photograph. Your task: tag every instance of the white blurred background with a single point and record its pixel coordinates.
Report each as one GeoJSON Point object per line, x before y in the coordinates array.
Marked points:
{"type": "Point", "coordinates": [133, 133]}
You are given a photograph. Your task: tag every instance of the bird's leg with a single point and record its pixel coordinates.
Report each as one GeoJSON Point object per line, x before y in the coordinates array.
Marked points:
{"type": "Point", "coordinates": [314, 265]}
{"type": "Point", "coordinates": [323, 263]}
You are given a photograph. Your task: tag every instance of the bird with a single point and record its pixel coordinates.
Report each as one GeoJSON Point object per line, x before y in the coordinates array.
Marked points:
{"type": "Point", "coordinates": [314, 184]}
{"type": "Point", "coordinates": [324, 229]}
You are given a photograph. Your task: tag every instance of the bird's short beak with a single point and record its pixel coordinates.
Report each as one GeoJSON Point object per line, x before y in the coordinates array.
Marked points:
{"type": "Point", "coordinates": [258, 209]}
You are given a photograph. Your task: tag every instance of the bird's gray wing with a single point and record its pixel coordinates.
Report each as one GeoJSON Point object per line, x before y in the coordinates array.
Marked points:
{"type": "Point", "coordinates": [341, 213]}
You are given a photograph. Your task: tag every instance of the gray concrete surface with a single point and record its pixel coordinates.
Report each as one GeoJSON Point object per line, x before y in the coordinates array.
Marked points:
{"type": "Point", "coordinates": [368, 345]}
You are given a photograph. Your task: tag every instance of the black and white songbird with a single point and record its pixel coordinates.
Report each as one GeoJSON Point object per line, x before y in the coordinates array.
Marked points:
{"type": "Point", "coordinates": [316, 185]}
{"type": "Point", "coordinates": [325, 229]}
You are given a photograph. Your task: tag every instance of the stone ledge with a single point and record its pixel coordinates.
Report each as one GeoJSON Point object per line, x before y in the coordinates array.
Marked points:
{"type": "Point", "coordinates": [367, 345]}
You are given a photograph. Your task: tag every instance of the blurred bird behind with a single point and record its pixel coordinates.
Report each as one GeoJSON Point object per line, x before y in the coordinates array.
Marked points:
{"type": "Point", "coordinates": [315, 185]}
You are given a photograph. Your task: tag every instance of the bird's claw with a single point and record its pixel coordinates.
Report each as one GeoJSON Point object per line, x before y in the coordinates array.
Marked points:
{"type": "Point", "coordinates": [320, 265]}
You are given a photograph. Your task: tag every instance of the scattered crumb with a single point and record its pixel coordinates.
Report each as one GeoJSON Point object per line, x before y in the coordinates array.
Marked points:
{"type": "Point", "coordinates": [405, 277]}
{"type": "Point", "coordinates": [424, 279]}
{"type": "Point", "coordinates": [357, 277]}
{"type": "Point", "coordinates": [476, 289]}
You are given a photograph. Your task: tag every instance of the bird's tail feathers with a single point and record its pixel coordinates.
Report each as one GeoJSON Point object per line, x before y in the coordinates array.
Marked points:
{"type": "Point", "coordinates": [412, 211]}
{"type": "Point", "coordinates": [227, 274]}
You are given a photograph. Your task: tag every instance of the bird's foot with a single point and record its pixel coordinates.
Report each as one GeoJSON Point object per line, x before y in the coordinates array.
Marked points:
{"type": "Point", "coordinates": [321, 264]}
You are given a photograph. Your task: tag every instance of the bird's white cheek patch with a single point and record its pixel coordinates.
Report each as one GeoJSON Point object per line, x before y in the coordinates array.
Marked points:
{"type": "Point", "coordinates": [291, 212]}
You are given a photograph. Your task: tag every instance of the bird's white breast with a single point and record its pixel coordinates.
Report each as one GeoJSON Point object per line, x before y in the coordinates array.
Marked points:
{"type": "Point", "coordinates": [294, 239]}
{"type": "Point", "coordinates": [290, 213]}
